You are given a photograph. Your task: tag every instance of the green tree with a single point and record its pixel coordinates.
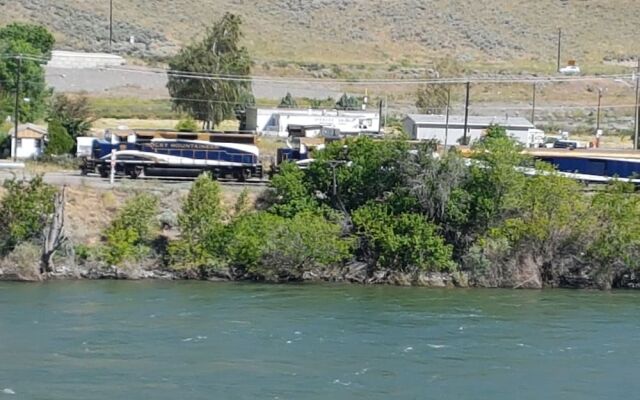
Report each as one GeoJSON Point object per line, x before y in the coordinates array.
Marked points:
{"type": "Point", "coordinates": [219, 53]}
{"type": "Point", "coordinates": [201, 226]}
{"type": "Point", "coordinates": [24, 210]}
{"type": "Point", "coordinates": [38, 36]}
{"type": "Point", "coordinates": [73, 113]}
{"type": "Point", "coordinates": [366, 170]}
{"type": "Point", "coordinates": [32, 44]}
{"type": "Point", "coordinates": [129, 234]}
{"type": "Point", "coordinates": [288, 102]}
{"type": "Point", "coordinates": [60, 142]}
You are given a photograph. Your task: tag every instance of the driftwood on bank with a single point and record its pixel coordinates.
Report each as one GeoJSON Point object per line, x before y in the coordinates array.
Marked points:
{"type": "Point", "coordinates": [53, 232]}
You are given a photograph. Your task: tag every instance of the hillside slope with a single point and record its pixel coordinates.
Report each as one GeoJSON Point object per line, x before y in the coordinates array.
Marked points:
{"type": "Point", "coordinates": [353, 31]}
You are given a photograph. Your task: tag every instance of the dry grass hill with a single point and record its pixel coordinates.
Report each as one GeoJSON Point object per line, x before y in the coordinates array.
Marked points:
{"type": "Point", "coordinates": [483, 32]}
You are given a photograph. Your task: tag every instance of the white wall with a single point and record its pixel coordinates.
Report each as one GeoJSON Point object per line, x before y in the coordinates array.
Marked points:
{"type": "Point", "coordinates": [455, 133]}
{"type": "Point", "coordinates": [70, 59]}
{"type": "Point", "coordinates": [28, 148]}
{"type": "Point", "coordinates": [275, 122]}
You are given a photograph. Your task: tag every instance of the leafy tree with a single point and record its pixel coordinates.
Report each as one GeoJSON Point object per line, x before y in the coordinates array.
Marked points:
{"type": "Point", "coordinates": [201, 226]}
{"type": "Point", "coordinates": [60, 142]}
{"type": "Point", "coordinates": [219, 53]}
{"type": "Point", "coordinates": [129, 233]}
{"type": "Point", "coordinates": [347, 102]}
{"type": "Point", "coordinates": [401, 241]}
{"type": "Point", "coordinates": [187, 124]}
{"type": "Point", "coordinates": [24, 210]}
{"type": "Point", "coordinates": [35, 43]}
{"type": "Point", "coordinates": [73, 113]}
{"type": "Point", "coordinates": [367, 170]}
{"type": "Point", "coordinates": [38, 36]}
{"type": "Point", "coordinates": [288, 102]}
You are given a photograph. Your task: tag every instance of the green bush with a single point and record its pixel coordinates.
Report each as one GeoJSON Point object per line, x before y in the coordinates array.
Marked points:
{"type": "Point", "coordinates": [401, 241]}
{"type": "Point", "coordinates": [187, 124]}
{"type": "Point", "coordinates": [129, 234]}
{"type": "Point", "coordinates": [616, 231]}
{"type": "Point", "coordinates": [201, 226]}
{"type": "Point", "coordinates": [24, 210]}
{"type": "Point", "coordinates": [275, 248]}
{"type": "Point", "coordinates": [60, 142]}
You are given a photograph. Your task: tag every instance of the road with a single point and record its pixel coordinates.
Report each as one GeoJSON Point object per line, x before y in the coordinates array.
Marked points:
{"type": "Point", "coordinates": [136, 82]}
{"type": "Point", "coordinates": [72, 178]}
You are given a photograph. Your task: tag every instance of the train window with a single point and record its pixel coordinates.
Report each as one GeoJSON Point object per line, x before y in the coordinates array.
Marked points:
{"type": "Point", "coordinates": [188, 137]}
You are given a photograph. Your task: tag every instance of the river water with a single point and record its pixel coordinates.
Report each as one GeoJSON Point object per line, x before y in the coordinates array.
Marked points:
{"type": "Point", "coordinates": [154, 340]}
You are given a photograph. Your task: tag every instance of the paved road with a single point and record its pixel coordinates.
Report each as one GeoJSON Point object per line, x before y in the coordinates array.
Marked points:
{"type": "Point", "coordinates": [72, 178]}
{"type": "Point", "coordinates": [144, 85]}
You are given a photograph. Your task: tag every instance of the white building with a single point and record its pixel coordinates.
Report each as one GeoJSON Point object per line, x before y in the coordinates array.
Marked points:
{"type": "Point", "coordinates": [31, 141]}
{"type": "Point", "coordinates": [72, 59]}
{"type": "Point", "coordinates": [427, 127]}
{"type": "Point", "coordinates": [274, 121]}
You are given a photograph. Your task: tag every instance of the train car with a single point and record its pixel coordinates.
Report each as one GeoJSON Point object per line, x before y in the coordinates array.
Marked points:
{"type": "Point", "coordinates": [174, 154]}
{"type": "Point", "coordinates": [624, 164]}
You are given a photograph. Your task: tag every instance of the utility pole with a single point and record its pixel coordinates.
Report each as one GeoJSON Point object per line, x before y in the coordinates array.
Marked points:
{"type": "Point", "coordinates": [559, 47]}
{"type": "Point", "coordinates": [466, 115]}
{"type": "Point", "coordinates": [533, 108]}
{"type": "Point", "coordinates": [598, 114]}
{"type": "Point", "coordinates": [380, 117]}
{"type": "Point", "coordinates": [110, 25]}
{"type": "Point", "coordinates": [636, 144]}
{"type": "Point", "coordinates": [16, 110]}
{"type": "Point", "coordinates": [446, 120]}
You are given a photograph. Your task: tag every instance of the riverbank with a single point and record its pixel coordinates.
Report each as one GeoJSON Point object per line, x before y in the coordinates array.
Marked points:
{"type": "Point", "coordinates": [356, 273]}
{"type": "Point", "coordinates": [390, 215]}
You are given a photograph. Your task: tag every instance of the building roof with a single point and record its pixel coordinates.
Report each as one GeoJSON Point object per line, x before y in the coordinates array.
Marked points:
{"type": "Point", "coordinates": [318, 112]}
{"type": "Point", "coordinates": [29, 131]}
{"type": "Point", "coordinates": [458, 120]}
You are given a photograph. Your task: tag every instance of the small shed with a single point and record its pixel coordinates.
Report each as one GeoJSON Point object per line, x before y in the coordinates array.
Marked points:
{"type": "Point", "coordinates": [436, 127]}
{"type": "Point", "coordinates": [31, 141]}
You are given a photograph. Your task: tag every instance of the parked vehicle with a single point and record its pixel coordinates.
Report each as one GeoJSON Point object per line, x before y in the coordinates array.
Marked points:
{"type": "Point", "coordinates": [570, 70]}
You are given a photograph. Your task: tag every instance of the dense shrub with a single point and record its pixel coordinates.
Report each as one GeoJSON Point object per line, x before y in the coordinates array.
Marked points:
{"type": "Point", "coordinates": [129, 234]}
{"type": "Point", "coordinates": [401, 241]}
{"type": "Point", "coordinates": [187, 124]}
{"type": "Point", "coordinates": [275, 248]}
{"type": "Point", "coordinates": [24, 211]}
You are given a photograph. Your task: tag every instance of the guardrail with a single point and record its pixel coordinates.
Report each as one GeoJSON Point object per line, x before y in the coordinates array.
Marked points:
{"type": "Point", "coordinates": [11, 165]}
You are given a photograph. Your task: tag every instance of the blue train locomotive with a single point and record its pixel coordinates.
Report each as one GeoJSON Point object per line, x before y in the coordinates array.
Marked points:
{"type": "Point", "coordinates": [177, 154]}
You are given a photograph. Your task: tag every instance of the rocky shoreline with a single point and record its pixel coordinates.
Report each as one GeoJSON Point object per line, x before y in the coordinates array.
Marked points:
{"type": "Point", "coordinates": [352, 273]}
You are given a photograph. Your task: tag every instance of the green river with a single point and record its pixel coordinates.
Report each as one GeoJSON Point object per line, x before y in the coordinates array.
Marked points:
{"type": "Point", "coordinates": [181, 340]}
